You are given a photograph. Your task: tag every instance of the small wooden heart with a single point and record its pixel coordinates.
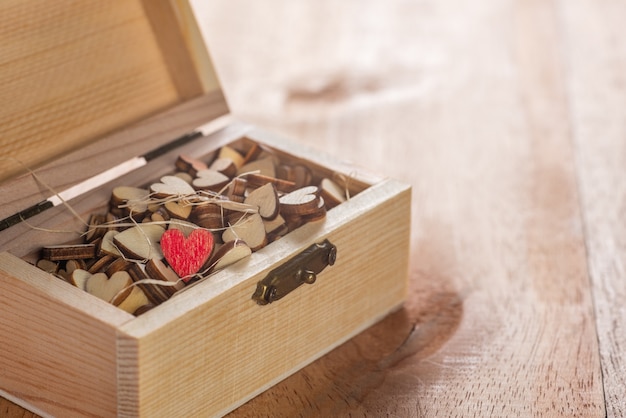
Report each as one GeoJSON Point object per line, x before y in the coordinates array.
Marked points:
{"type": "Point", "coordinates": [186, 255]}
{"type": "Point", "coordinates": [210, 180]}
{"type": "Point", "coordinates": [106, 288]}
{"type": "Point", "coordinates": [134, 197]}
{"type": "Point", "coordinates": [226, 166]}
{"type": "Point", "coordinates": [107, 246]}
{"type": "Point", "coordinates": [264, 167]}
{"type": "Point", "coordinates": [140, 242]}
{"type": "Point", "coordinates": [189, 164]}
{"type": "Point", "coordinates": [229, 253]}
{"type": "Point", "coordinates": [172, 186]}
{"type": "Point", "coordinates": [248, 228]}
{"type": "Point", "coordinates": [179, 210]}
{"type": "Point", "coordinates": [302, 201]}
{"type": "Point", "coordinates": [232, 154]}
{"type": "Point", "coordinates": [266, 199]}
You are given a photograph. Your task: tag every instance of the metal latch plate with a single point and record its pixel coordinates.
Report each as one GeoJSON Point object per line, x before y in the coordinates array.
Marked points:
{"type": "Point", "coordinates": [303, 268]}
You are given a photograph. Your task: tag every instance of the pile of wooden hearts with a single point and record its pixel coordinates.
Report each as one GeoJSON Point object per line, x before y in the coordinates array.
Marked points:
{"type": "Point", "coordinates": [155, 240]}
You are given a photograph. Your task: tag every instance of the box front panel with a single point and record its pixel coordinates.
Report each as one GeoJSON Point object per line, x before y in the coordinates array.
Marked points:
{"type": "Point", "coordinates": [215, 355]}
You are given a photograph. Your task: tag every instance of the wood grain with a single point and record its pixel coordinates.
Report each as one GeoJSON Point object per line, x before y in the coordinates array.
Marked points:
{"type": "Point", "coordinates": [87, 355]}
{"type": "Point", "coordinates": [238, 348]}
{"type": "Point", "coordinates": [597, 68]}
{"type": "Point", "coordinates": [77, 70]}
{"type": "Point", "coordinates": [167, 30]}
{"type": "Point", "coordinates": [72, 72]}
{"type": "Point", "coordinates": [507, 119]}
{"type": "Point", "coordinates": [468, 103]}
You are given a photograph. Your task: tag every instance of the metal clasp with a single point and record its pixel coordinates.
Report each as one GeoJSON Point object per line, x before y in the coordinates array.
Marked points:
{"type": "Point", "coordinates": [303, 268]}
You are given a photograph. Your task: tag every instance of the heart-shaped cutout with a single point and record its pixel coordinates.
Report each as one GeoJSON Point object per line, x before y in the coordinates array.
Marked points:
{"type": "Point", "coordinates": [210, 180]}
{"type": "Point", "coordinates": [140, 242]}
{"type": "Point", "coordinates": [172, 186]}
{"type": "Point", "coordinates": [135, 198]}
{"type": "Point", "coordinates": [186, 255]}
{"type": "Point", "coordinates": [266, 199]}
{"type": "Point", "coordinates": [302, 201]}
{"type": "Point", "coordinates": [106, 288]}
{"type": "Point", "coordinates": [248, 228]}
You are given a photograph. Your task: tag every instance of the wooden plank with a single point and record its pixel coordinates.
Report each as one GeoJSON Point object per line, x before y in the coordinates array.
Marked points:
{"type": "Point", "coordinates": [466, 102]}
{"type": "Point", "coordinates": [72, 71]}
{"type": "Point", "coordinates": [596, 62]}
{"type": "Point", "coordinates": [219, 348]}
{"type": "Point", "coordinates": [58, 344]}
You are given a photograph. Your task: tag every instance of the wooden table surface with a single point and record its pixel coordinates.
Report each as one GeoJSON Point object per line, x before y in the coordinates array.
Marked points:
{"type": "Point", "coordinates": [509, 121]}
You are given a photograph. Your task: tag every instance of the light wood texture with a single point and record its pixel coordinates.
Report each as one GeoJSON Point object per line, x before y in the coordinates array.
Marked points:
{"type": "Point", "coordinates": [68, 335]}
{"type": "Point", "coordinates": [480, 107]}
{"type": "Point", "coordinates": [71, 72]}
{"type": "Point", "coordinates": [182, 49]}
{"type": "Point", "coordinates": [507, 119]}
{"type": "Point", "coordinates": [139, 354]}
{"type": "Point", "coordinates": [598, 113]}
{"type": "Point", "coordinates": [220, 354]}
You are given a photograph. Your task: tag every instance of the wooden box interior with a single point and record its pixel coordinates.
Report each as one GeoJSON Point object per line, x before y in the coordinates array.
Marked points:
{"type": "Point", "coordinates": [56, 226]}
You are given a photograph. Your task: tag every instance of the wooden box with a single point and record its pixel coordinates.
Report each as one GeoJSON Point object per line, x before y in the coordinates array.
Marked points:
{"type": "Point", "coordinates": [101, 85]}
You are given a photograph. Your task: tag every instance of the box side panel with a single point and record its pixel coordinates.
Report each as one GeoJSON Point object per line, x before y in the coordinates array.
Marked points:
{"type": "Point", "coordinates": [56, 356]}
{"type": "Point", "coordinates": [214, 356]}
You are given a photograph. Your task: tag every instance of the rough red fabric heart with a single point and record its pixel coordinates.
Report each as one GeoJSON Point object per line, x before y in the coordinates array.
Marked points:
{"type": "Point", "coordinates": [186, 255]}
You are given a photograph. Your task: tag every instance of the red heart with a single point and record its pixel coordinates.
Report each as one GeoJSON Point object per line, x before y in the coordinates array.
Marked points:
{"type": "Point", "coordinates": [186, 256]}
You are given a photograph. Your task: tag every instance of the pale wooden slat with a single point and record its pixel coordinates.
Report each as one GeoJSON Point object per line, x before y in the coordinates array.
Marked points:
{"type": "Point", "coordinates": [72, 71]}
{"type": "Point", "coordinates": [596, 62]}
{"type": "Point", "coordinates": [467, 102]}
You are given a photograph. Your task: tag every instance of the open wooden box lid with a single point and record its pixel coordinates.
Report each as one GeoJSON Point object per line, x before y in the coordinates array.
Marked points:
{"type": "Point", "coordinates": [74, 71]}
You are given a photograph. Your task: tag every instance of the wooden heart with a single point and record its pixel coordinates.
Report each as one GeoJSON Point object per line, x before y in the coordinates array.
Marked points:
{"type": "Point", "coordinates": [248, 228]}
{"type": "Point", "coordinates": [140, 242]}
{"type": "Point", "coordinates": [186, 255]}
{"type": "Point", "coordinates": [226, 166]}
{"type": "Point", "coordinates": [106, 288]}
{"type": "Point", "coordinates": [231, 154]}
{"type": "Point", "coordinates": [266, 199]}
{"type": "Point", "coordinates": [133, 301]}
{"type": "Point", "coordinates": [229, 253]}
{"type": "Point", "coordinates": [210, 180]}
{"type": "Point", "coordinates": [172, 186]}
{"type": "Point", "coordinates": [302, 201]}
{"type": "Point", "coordinates": [264, 166]}
{"type": "Point", "coordinates": [189, 164]}
{"type": "Point", "coordinates": [134, 197]}
{"type": "Point", "coordinates": [107, 246]}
